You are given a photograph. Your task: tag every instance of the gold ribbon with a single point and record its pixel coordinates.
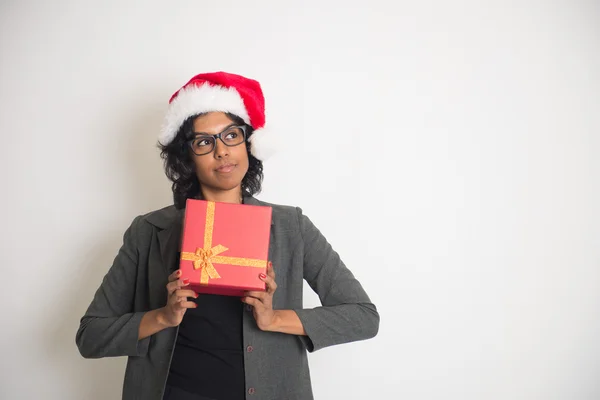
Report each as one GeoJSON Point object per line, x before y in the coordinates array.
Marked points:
{"type": "Point", "coordinates": [204, 257]}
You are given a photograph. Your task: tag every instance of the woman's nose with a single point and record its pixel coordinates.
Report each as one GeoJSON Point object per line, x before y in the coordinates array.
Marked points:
{"type": "Point", "coordinates": [221, 150]}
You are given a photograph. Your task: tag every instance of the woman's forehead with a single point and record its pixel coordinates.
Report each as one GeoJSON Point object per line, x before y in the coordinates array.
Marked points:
{"type": "Point", "coordinates": [212, 122]}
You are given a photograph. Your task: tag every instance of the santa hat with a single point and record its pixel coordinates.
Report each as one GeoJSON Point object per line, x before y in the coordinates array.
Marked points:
{"type": "Point", "coordinates": [219, 91]}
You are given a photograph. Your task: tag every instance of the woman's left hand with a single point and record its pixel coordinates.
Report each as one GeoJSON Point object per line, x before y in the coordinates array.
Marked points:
{"type": "Point", "coordinates": [262, 302]}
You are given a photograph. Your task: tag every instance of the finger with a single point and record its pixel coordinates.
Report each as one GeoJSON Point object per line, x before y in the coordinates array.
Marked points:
{"type": "Point", "coordinates": [271, 284]}
{"type": "Point", "coordinates": [183, 305]}
{"type": "Point", "coordinates": [188, 304]}
{"type": "Point", "coordinates": [251, 301]}
{"type": "Point", "coordinates": [260, 296]}
{"type": "Point", "coordinates": [179, 283]}
{"type": "Point", "coordinates": [186, 293]}
{"type": "Point", "coordinates": [174, 300]}
{"type": "Point", "coordinates": [175, 275]}
{"type": "Point", "coordinates": [270, 270]}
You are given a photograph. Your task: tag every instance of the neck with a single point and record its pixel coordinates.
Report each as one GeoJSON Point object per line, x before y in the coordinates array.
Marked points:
{"type": "Point", "coordinates": [223, 196]}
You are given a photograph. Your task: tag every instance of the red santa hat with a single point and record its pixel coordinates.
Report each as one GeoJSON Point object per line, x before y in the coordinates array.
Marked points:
{"type": "Point", "coordinates": [219, 91]}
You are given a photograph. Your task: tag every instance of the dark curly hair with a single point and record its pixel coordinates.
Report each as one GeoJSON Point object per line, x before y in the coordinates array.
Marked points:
{"type": "Point", "coordinates": [180, 168]}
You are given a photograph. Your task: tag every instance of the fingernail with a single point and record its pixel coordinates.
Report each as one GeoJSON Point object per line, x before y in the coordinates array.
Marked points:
{"type": "Point", "coordinates": [196, 294]}
{"type": "Point", "coordinates": [186, 281]}
{"type": "Point", "coordinates": [178, 272]}
{"type": "Point", "coordinates": [195, 305]}
{"type": "Point", "coordinates": [270, 264]}
{"type": "Point", "coordinates": [263, 276]}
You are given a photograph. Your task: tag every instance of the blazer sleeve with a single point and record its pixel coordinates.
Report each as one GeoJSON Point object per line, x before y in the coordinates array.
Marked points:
{"type": "Point", "coordinates": [347, 314]}
{"type": "Point", "coordinates": [109, 327]}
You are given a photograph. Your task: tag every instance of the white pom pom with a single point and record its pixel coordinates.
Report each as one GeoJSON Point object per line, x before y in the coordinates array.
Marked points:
{"type": "Point", "coordinates": [263, 143]}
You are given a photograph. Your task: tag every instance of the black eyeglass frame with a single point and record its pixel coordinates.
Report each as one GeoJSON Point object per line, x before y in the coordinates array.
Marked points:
{"type": "Point", "coordinates": [217, 136]}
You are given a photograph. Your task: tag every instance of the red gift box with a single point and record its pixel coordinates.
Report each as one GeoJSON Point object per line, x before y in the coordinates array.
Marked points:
{"type": "Point", "coordinates": [225, 247]}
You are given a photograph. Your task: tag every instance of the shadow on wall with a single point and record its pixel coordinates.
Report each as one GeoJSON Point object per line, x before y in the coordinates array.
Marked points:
{"type": "Point", "coordinates": [145, 188]}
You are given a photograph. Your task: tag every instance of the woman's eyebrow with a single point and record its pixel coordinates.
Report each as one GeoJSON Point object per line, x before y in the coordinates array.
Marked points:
{"type": "Point", "coordinates": [211, 134]}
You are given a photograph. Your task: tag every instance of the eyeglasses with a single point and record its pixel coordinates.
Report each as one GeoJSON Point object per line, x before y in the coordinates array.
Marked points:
{"type": "Point", "coordinates": [203, 144]}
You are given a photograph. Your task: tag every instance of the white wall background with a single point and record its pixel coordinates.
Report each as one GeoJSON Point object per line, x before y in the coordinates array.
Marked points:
{"type": "Point", "coordinates": [448, 150]}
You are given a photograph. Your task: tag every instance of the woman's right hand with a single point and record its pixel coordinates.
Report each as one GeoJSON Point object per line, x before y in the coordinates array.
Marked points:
{"type": "Point", "coordinates": [177, 300]}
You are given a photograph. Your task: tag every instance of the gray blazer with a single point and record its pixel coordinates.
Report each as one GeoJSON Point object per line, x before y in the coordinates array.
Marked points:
{"type": "Point", "coordinates": [277, 368]}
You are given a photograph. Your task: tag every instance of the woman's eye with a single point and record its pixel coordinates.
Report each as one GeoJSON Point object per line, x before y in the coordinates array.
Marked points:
{"type": "Point", "coordinates": [201, 142]}
{"type": "Point", "coordinates": [231, 135]}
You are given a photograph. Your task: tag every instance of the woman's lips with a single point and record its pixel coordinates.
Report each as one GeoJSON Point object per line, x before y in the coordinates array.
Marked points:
{"type": "Point", "coordinates": [225, 168]}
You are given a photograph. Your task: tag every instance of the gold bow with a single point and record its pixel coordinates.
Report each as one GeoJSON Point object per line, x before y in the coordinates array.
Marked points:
{"type": "Point", "coordinates": [204, 257]}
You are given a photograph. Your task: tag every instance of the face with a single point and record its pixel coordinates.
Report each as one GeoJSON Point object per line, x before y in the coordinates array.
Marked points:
{"type": "Point", "coordinates": [224, 168]}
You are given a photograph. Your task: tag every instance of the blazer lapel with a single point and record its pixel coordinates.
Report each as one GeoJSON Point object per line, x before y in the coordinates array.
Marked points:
{"type": "Point", "coordinates": [169, 222]}
{"type": "Point", "coordinates": [169, 241]}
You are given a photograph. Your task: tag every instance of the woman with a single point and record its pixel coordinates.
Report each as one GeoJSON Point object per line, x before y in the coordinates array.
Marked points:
{"type": "Point", "coordinates": [181, 345]}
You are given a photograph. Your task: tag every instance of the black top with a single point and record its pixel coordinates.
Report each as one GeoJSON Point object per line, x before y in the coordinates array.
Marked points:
{"type": "Point", "coordinates": [208, 358]}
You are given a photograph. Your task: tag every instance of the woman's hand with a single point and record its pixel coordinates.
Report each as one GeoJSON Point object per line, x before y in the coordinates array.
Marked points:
{"type": "Point", "coordinates": [177, 301]}
{"type": "Point", "coordinates": [262, 302]}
